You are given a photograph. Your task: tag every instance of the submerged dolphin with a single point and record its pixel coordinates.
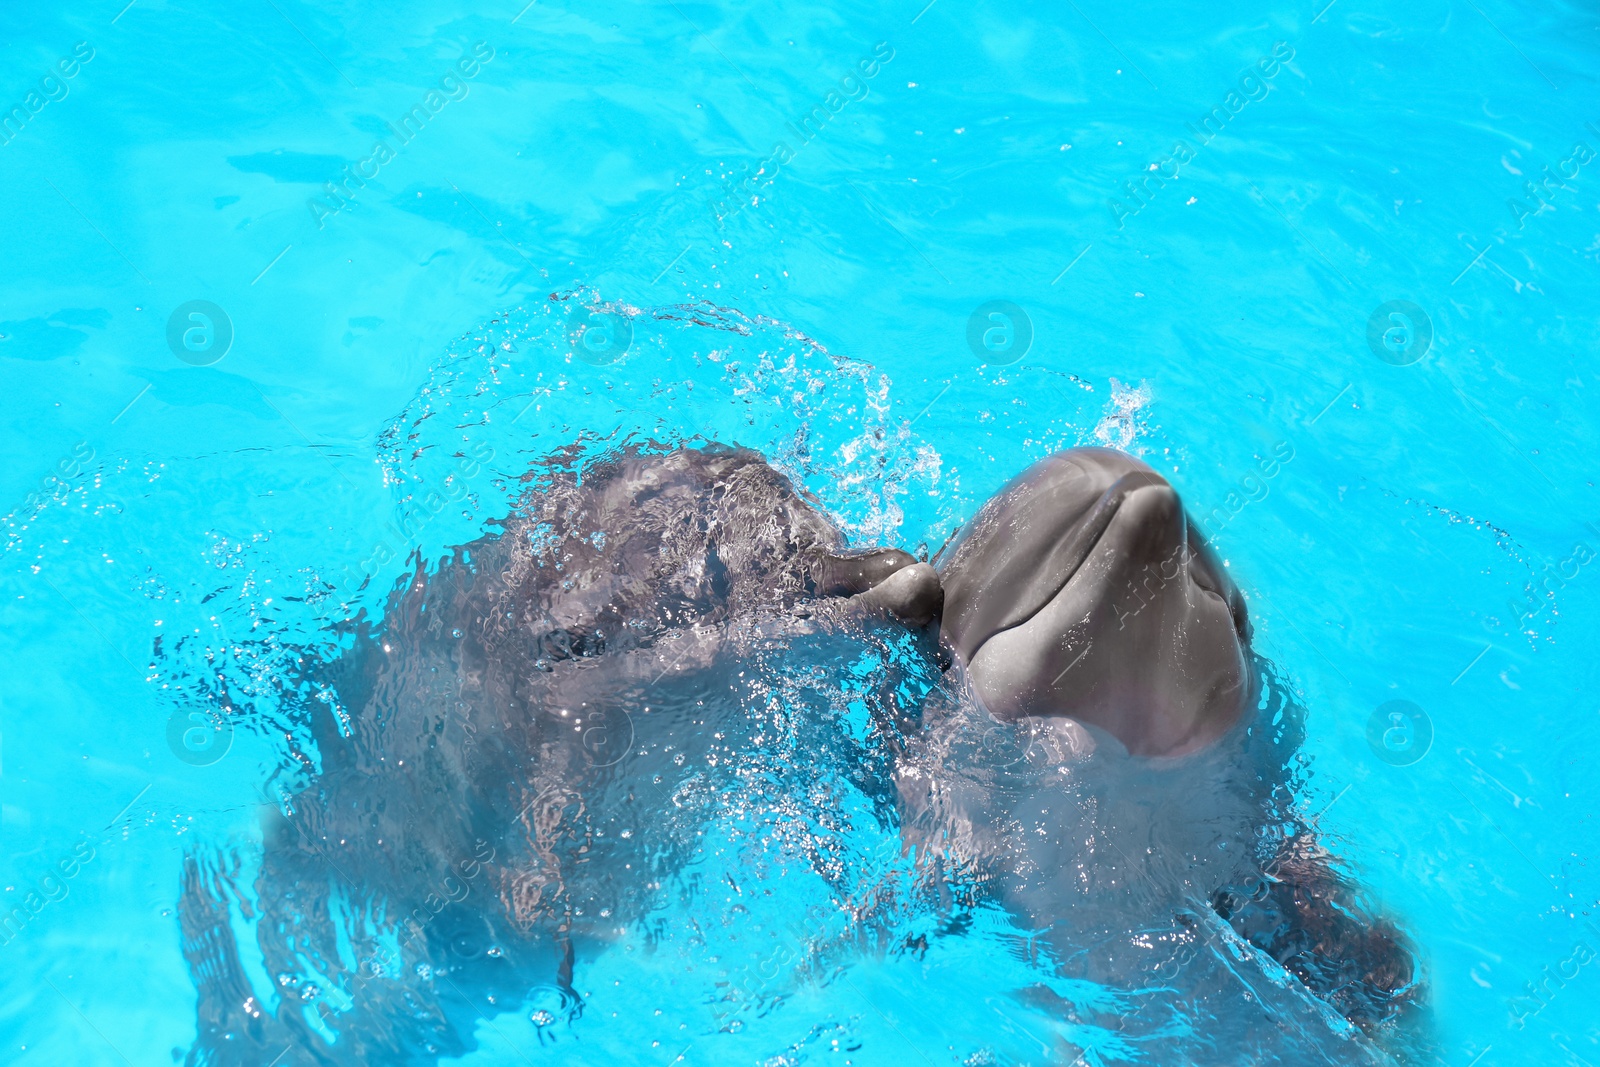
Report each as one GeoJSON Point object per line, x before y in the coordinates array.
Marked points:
{"type": "Point", "coordinates": [509, 766]}
{"type": "Point", "coordinates": [479, 786]}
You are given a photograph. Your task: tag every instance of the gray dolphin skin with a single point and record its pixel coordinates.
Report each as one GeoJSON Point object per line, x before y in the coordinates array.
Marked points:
{"type": "Point", "coordinates": [1082, 589]}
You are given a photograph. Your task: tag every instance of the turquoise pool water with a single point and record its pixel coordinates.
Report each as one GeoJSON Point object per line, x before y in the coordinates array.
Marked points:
{"type": "Point", "coordinates": [786, 227]}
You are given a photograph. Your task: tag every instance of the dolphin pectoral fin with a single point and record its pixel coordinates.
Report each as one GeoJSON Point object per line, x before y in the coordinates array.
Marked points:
{"type": "Point", "coordinates": [1303, 914]}
{"type": "Point", "coordinates": [913, 593]}
{"type": "Point", "coordinates": [858, 572]}
{"type": "Point", "coordinates": [886, 578]}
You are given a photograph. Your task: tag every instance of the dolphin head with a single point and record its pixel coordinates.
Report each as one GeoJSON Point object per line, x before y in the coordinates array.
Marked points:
{"type": "Point", "coordinates": [1083, 590]}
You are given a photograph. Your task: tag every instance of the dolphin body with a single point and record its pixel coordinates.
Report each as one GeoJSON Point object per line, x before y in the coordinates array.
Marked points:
{"type": "Point", "coordinates": [529, 746]}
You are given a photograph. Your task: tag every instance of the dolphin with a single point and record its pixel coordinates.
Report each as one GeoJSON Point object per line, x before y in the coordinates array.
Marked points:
{"type": "Point", "coordinates": [509, 763]}
{"type": "Point", "coordinates": [1105, 690]}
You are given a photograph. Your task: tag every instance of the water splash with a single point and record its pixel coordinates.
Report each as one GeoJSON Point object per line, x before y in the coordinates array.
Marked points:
{"type": "Point", "coordinates": [1121, 426]}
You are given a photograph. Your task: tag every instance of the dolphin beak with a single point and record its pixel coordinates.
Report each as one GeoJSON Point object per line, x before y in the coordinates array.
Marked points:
{"type": "Point", "coordinates": [1023, 579]}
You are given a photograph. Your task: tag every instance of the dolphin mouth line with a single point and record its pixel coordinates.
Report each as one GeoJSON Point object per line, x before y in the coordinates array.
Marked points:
{"type": "Point", "coordinates": [1085, 538]}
